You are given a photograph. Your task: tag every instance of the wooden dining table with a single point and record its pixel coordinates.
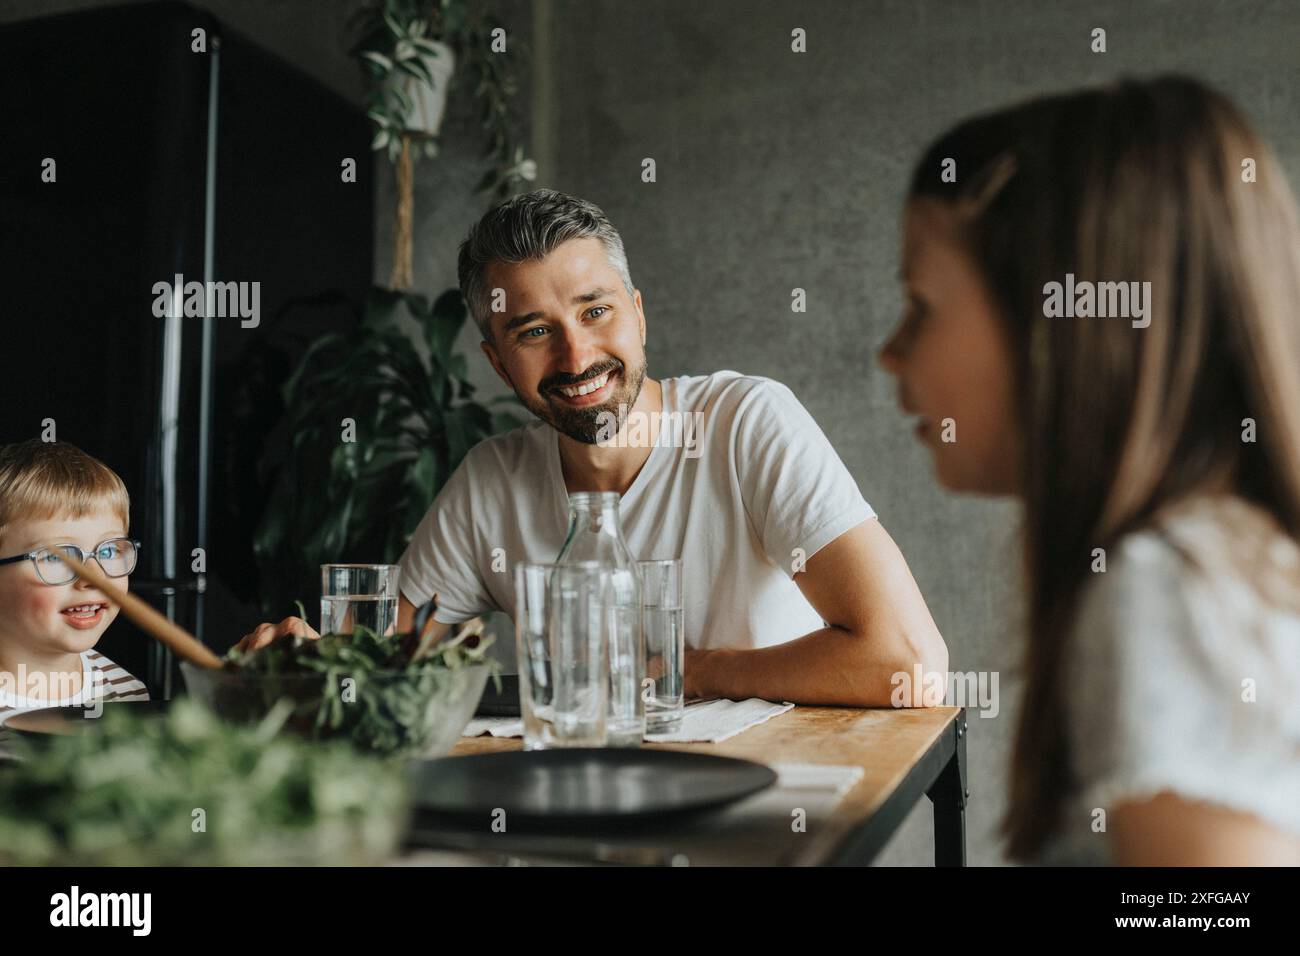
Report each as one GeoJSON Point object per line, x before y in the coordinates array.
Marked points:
{"type": "Point", "coordinates": [904, 755]}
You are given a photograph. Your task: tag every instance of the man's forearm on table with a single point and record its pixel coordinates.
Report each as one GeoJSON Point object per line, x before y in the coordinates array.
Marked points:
{"type": "Point", "coordinates": [830, 666]}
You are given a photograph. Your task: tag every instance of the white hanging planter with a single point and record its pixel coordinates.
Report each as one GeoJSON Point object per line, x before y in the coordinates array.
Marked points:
{"type": "Point", "coordinates": [428, 103]}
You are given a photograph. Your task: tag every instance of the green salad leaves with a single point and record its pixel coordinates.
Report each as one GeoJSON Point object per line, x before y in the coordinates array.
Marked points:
{"type": "Point", "coordinates": [187, 788]}
{"type": "Point", "coordinates": [388, 695]}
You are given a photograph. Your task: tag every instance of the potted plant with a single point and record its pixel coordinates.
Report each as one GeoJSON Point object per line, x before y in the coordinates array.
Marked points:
{"type": "Point", "coordinates": [414, 415]}
{"type": "Point", "coordinates": [411, 50]}
{"type": "Point", "coordinates": [412, 97]}
{"type": "Point", "coordinates": [374, 429]}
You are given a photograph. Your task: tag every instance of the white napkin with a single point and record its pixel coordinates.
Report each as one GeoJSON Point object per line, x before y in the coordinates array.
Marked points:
{"type": "Point", "coordinates": [704, 721]}
{"type": "Point", "coordinates": [835, 779]}
{"type": "Point", "coordinates": [710, 721]}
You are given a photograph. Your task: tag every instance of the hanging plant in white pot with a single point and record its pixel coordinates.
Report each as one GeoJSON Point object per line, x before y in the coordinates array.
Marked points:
{"type": "Point", "coordinates": [429, 100]}
{"type": "Point", "coordinates": [414, 82]}
{"type": "Point", "coordinates": [411, 49]}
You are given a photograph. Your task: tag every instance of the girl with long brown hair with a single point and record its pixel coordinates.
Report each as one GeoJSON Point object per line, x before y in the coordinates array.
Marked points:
{"type": "Point", "coordinates": [1151, 431]}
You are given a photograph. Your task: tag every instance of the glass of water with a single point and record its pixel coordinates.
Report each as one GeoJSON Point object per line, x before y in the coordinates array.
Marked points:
{"type": "Point", "coordinates": [358, 595]}
{"type": "Point", "coordinates": [561, 625]}
{"type": "Point", "coordinates": [665, 644]}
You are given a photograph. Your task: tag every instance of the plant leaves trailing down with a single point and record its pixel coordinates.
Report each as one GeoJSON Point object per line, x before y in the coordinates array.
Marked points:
{"type": "Point", "coordinates": [392, 35]}
{"type": "Point", "coordinates": [415, 419]}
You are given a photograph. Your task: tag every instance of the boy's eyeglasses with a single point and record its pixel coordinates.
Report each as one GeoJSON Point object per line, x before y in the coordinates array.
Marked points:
{"type": "Point", "coordinates": [116, 557]}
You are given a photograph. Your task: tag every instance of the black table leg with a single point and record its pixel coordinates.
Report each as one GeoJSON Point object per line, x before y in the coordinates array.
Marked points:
{"type": "Point", "coordinates": [949, 795]}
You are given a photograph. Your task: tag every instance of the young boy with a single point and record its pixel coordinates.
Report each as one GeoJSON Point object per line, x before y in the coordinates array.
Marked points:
{"type": "Point", "coordinates": [53, 497]}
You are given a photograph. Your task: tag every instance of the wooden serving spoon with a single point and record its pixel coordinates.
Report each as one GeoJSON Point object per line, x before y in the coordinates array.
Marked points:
{"type": "Point", "coordinates": [181, 641]}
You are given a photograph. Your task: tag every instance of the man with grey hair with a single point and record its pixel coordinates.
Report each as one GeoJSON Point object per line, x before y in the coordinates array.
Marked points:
{"type": "Point", "coordinates": [526, 229]}
{"type": "Point", "coordinates": [793, 590]}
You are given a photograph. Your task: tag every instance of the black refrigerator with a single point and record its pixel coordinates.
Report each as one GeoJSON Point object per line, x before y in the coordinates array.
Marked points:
{"type": "Point", "coordinates": [219, 164]}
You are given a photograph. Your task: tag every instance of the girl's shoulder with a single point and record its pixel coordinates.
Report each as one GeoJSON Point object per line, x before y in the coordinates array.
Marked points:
{"type": "Point", "coordinates": [1227, 540]}
{"type": "Point", "coordinates": [1210, 589]}
{"type": "Point", "coordinates": [1181, 666]}
{"type": "Point", "coordinates": [1218, 559]}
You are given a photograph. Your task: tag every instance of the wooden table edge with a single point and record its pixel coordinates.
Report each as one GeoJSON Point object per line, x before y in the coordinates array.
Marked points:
{"type": "Point", "coordinates": [855, 809]}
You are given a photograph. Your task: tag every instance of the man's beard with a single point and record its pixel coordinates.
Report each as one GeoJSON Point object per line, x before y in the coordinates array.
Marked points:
{"type": "Point", "coordinates": [586, 424]}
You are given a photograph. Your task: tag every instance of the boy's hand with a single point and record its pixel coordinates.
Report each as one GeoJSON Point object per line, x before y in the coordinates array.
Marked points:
{"type": "Point", "coordinates": [264, 634]}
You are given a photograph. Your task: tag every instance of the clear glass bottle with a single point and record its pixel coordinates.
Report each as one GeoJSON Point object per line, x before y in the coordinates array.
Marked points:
{"type": "Point", "coordinates": [595, 534]}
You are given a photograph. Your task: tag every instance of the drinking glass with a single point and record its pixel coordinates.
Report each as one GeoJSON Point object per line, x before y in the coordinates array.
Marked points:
{"type": "Point", "coordinates": [358, 595]}
{"type": "Point", "coordinates": [665, 643]}
{"type": "Point", "coordinates": [561, 637]}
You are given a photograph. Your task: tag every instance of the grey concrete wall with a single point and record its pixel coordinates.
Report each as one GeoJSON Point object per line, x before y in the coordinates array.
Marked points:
{"type": "Point", "coordinates": [778, 170]}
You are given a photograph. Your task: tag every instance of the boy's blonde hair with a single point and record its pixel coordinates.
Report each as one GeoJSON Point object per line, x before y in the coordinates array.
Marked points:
{"type": "Point", "coordinates": [43, 480]}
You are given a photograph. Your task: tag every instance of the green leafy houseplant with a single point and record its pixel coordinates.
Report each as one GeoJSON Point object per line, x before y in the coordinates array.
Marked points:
{"type": "Point", "coordinates": [375, 430]}
{"type": "Point", "coordinates": [331, 499]}
{"type": "Point", "coordinates": [410, 50]}
{"type": "Point", "coordinates": [396, 37]}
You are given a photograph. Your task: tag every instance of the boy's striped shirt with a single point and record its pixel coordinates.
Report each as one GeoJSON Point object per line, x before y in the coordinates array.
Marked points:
{"type": "Point", "coordinates": [117, 681]}
{"type": "Point", "coordinates": [108, 680]}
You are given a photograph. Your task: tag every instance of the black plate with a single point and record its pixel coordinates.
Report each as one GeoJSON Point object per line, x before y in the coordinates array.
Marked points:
{"type": "Point", "coordinates": [68, 720]}
{"type": "Point", "coordinates": [580, 787]}
{"type": "Point", "coordinates": [504, 704]}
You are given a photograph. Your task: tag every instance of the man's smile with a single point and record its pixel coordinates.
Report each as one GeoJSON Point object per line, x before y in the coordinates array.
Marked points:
{"type": "Point", "coordinates": [592, 391]}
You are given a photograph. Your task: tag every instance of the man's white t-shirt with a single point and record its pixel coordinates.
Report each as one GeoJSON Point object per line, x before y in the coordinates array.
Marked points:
{"type": "Point", "coordinates": [759, 493]}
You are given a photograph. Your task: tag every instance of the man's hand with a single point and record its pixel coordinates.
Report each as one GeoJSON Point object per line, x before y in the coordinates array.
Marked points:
{"type": "Point", "coordinates": [434, 630]}
{"type": "Point", "coordinates": [264, 634]}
